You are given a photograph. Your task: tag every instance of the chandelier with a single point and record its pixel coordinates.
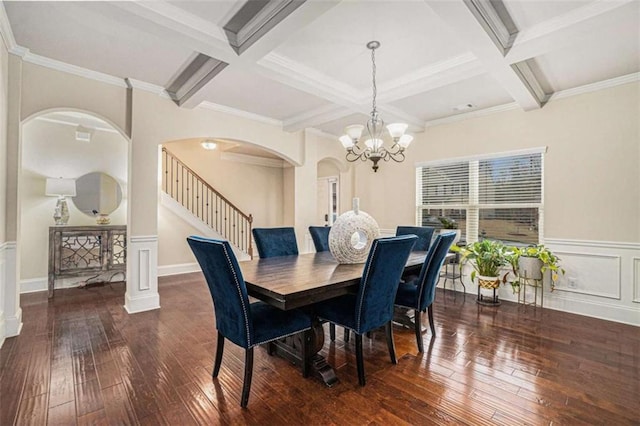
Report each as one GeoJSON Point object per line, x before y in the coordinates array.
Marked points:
{"type": "Point", "coordinates": [374, 148]}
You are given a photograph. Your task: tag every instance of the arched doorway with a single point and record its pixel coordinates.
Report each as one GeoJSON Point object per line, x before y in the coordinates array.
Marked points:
{"type": "Point", "coordinates": [92, 155]}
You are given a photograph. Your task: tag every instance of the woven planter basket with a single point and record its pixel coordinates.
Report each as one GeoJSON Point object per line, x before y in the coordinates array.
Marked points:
{"type": "Point", "coordinates": [488, 282]}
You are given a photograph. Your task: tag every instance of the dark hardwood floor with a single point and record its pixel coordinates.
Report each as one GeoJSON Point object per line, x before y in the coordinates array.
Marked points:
{"type": "Point", "coordinates": [81, 359]}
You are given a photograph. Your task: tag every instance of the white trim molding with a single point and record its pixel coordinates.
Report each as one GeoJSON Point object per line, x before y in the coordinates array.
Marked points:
{"type": "Point", "coordinates": [636, 280]}
{"type": "Point", "coordinates": [587, 88]}
{"type": "Point", "coordinates": [606, 276]}
{"type": "Point", "coordinates": [180, 268]}
{"type": "Point", "coordinates": [142, 274]}
{"type": "Point", "coordinates": [10, 311]}
{"type": "Point", "coordinates": [254, 160]}
{"type": "Point", "coordinates": [240, 113]}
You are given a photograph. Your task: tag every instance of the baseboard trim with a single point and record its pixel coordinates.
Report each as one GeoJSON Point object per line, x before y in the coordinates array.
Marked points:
{"type": "Point", "coordinates": [141, 304]}
{"type": "Point", "coordinates": [181, 268]}
{"type": "Point", "coordinates": [2, 329]}
{"type": "Point", "coordinates": [33, 285]}
{"type": "Point", "coordinates": [13, 325]}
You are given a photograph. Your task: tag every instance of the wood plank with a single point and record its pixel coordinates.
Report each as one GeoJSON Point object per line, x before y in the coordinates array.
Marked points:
{"type": "Point", "coordinates": [501, 365]}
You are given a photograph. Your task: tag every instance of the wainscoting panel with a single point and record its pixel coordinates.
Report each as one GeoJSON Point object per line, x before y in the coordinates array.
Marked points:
{"type": "Point", "coordinates": [602, 280]}
{"type": "Point", "coordinates": [636, 279]}
{"type": "Point", "coordinates": [592, 274]}
{"type": "Point", "coordinates": [142, 274]}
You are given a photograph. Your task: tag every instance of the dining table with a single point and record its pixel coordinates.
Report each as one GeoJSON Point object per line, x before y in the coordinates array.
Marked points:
{"type": "Point", "coordinates": [299, 281]}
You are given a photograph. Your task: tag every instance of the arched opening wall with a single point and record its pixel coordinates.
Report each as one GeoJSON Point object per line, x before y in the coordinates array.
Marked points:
{"type": "Point", "coordinates": [150, 120]}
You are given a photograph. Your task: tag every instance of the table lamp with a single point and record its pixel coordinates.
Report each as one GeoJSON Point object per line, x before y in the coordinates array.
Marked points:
{"type": "Point", "coordinates": [61, 188]}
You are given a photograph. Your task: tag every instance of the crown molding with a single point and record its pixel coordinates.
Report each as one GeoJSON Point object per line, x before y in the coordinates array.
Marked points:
{"type": "Point", "coordinates": [593, 87]}
{"type": "Point", "coordinates": [32, 58]}
{"type": "Point", "coordinates": [472, 114]}
{"type": "Point", "coordinates": [322, 133]}
{"type": "Point", "coordinates": [240, 113]}
{"type": "Point", "coordinates": [148, 87]}
{"type": "Point", "coordinates": [323, 114]}
{"type": "Point", "coordinates": [587, 88]}
{"type": "Point", "coordinates": [253, 160]}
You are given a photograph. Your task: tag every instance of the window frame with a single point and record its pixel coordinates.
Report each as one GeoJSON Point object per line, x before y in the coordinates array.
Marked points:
{"type": "Point", "coordinates": [473, 206]}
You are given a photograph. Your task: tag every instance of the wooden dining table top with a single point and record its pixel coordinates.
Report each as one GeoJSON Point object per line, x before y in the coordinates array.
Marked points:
{"type": "Point", "coordinates": [289, 282]}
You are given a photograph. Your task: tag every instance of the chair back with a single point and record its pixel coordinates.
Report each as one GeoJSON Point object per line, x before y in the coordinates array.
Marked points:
{"type": "Point", "coordinates": [379, 284]}
{"type": "Point", "coordinates": [424, 234]}
{"type": "Point", "coordinates": [430, 272]}
{"type": "Point", "coordinates": [272, 242]}
{"type": "Point", "coordinates": [320, 237]}
{"type": "Point", "coordinates": [226, 285]}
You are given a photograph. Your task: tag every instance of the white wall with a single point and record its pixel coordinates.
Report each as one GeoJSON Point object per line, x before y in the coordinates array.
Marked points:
{"type": "Point", "coordinates": [591, 189]}
{"type": "Point", "coordinates": [50, 150]}
{"type": "Point", "coordinates": [255, 189]}
{"type": "Point", "coordinates": [592, 173]}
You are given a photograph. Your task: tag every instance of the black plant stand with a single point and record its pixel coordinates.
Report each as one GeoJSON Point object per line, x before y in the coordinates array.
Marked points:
{"type": "Point", "coordinates": [488, 301]}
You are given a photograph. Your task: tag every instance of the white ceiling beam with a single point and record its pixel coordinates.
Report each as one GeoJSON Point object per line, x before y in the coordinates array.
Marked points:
{"type": "Point", "coordinates": [174, 24]}
{"type": "Point", "coordinates": [562, 31]}
{"type": "Point", "coordinates": [434, 76]}
{"type": "Point", "coordinates": [350, 100]}
{"type": "Point", "coordinates": [301, 17]}
{"type": "Point", "coordinates": [460, 18]}
{"type": "Point", "coordinates": [315, 117]}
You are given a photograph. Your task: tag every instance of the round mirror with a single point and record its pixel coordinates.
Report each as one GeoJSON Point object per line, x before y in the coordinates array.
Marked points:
{"type": "Point", "coordinates": [97, 193]}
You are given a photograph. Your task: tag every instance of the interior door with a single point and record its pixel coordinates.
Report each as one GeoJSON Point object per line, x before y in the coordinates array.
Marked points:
{"type": "Point", "coordinates": [328, 199]}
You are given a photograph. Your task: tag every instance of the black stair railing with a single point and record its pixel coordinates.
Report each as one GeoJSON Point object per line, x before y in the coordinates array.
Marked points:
{"type": "Point", "coordinates": [203, 201]}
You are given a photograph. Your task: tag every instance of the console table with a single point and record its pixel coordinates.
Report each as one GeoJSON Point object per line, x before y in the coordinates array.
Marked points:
{"type": "Point", "coordinates": [81, 250]}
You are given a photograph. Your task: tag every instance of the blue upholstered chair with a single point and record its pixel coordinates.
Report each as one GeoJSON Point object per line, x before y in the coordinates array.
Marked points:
{"type": "Point", "coordinates": [320, 237]}
{"type": "Point", "coordinates": [272, 242]}
{"type": "Point", "coordinates": [372, 306]}
{"type": "Point", "coordinates": [419, 294]}
{"type": "Point", "coordinates": [424, 234]}
{"type": "Point", "coordinates": [247, 325]}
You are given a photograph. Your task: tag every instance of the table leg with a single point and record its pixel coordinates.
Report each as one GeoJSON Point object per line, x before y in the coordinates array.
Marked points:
{"type": "Point", "coordinates": [290, 348]}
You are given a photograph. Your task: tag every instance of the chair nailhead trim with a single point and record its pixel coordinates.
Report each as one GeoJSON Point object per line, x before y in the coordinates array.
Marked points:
{"type": "Point", "coordinates": [244, 308]}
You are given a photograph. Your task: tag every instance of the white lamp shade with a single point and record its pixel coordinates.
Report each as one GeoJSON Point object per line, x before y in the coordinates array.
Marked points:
{"type": "Point", "coordinates": [60, 187]}
{"type": "Point", "coordinates": [373, 144]}
{"type": "Point", "coordinates": [346, 141]}
{"type": "Point", "coordinates": [396, 130]}
{"type": "Point", "coordinates": [354, 131]}
{"type": "Point", "coordinates": [405, 140]}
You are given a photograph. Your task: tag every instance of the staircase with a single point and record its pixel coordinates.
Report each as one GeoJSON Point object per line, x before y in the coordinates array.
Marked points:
{"type": "Point", "coordinates": [211, 208]}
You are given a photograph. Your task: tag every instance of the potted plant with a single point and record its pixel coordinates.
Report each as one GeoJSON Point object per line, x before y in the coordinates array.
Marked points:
{"type": "Point", "coordinates": [488, 258]}
{"type": "Point", "coordinates": [533, 261]}
{"type": "Point", "coordinates": [449, 225]}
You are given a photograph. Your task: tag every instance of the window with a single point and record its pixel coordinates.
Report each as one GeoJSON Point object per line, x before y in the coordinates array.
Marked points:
{"type": "Point", "coordinates": [494, 196]}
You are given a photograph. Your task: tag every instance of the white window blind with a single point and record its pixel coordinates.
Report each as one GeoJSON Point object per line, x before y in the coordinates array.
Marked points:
{"type": "Point", "coordinates": [497, 197]}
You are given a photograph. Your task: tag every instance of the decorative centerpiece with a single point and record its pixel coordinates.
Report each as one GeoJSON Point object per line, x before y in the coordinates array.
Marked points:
{"type": "Point", "coordinates": [101, 218]}
{"type": "Point", "coordinates": [352, 234]}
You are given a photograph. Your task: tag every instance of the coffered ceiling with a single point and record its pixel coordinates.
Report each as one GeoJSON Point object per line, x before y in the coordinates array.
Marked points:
{"type": "Point", "coordinates": [304, 63]}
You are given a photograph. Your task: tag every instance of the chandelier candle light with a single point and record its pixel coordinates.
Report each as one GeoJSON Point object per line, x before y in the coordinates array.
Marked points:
{"type": "Point", "coordinates": [374, 149]}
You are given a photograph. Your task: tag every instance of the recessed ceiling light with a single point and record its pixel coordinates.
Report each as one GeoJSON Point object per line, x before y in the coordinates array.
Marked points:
{"type": "Point", "coordinates": [463, 107]}
{"type": "Point", "coordinates": [209, 145]}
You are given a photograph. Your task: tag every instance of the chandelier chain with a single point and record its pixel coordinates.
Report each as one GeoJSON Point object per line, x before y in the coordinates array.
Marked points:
{"type": "Point", "coordinates": [375, 88]}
